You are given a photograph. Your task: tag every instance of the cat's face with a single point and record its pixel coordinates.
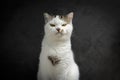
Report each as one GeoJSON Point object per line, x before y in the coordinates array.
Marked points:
{"type": "Point", "coordinates": [58, 26]}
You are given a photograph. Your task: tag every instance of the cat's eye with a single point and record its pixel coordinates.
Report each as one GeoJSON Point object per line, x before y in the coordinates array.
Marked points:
{"type": "Point", "coordinates": [52, 25]}
{"type": "Point", "coordinates": [64, 24]}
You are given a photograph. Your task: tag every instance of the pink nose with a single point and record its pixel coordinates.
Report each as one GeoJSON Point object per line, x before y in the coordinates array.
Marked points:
{"type": "Point", "coordinates": [58, 29]}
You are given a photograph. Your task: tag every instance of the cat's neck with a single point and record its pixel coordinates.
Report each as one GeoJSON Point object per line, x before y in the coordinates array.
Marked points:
{"type": "Point", "coordinates": [56, 43]}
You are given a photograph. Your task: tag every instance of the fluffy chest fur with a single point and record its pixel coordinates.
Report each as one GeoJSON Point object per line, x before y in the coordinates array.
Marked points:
{"type": "Point", "coordinates": [60, 51]}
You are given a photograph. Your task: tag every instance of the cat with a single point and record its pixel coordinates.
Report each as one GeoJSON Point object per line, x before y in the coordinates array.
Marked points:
{"type": "Point", "coordinates": [56, 58]}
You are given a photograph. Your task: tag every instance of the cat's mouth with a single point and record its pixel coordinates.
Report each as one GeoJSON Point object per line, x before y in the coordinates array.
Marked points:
{"type": "Point", "coordinates": [59, 32]}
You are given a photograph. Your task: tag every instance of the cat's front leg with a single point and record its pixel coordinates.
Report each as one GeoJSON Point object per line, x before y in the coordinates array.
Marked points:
{"type": "Point", "coordinates": [41, 75]}
{"type": "Point", "coordinates": [73, 73]}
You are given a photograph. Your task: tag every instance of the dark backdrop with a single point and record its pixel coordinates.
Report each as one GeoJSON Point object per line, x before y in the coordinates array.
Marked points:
{"type": "Point", "coordinates": [95, 39]}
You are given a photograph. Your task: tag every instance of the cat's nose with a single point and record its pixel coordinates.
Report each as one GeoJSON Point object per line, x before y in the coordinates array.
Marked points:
{"type": "Point", "coordinates": [58, 29]}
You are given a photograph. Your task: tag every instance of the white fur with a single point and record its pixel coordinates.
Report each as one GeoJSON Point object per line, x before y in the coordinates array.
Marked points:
{"type": "Point", "coordinates": [57, 45]}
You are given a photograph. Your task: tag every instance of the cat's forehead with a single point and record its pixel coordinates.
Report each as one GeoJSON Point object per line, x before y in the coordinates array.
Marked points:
{"type": "Point", "coordinates": [59, 16]}
{"type": "Point", "coordinates": [58, 19]}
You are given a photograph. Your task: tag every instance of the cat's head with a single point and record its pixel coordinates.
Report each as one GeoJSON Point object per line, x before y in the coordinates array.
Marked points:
{"type": "Point", "coordinates": [58, 26]}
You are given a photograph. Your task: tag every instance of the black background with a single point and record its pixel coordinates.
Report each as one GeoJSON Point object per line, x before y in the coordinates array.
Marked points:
{"type": "Point", "coordinates": [95, 39]}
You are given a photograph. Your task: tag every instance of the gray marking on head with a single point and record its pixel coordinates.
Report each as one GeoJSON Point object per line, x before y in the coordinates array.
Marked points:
{"type": "Point", "coordinates": [67, 18]}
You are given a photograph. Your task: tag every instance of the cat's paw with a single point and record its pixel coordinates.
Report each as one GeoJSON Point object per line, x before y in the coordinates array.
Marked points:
{"type": "Point", "coordinates": [54, 60]}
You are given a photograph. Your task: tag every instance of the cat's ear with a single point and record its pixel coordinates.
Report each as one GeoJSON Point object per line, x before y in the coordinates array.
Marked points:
{"type": "Point", "coordinates": [47, 17]}
{"type": "Point", "coordinates": [70, 16]}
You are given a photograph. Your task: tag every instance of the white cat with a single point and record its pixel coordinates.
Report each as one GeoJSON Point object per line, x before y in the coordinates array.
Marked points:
{"type": "Point", "coordinates": [56, 58]}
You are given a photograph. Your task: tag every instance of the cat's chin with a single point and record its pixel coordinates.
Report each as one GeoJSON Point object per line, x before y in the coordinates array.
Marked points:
{"type": "Point", "coordinates": [60, 37]}
{"type": "Point", "coordinates": [59, 34]}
